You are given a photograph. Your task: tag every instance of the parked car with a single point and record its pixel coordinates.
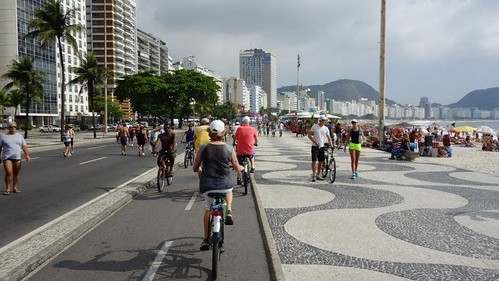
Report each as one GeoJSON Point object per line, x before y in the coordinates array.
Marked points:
{"type": "Point", "coordinates": [49, 128]}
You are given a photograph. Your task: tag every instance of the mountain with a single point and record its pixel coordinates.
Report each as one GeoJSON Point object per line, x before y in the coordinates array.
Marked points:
{"type": "Point", "coordinates": [342, 90]}
{"type": "Point", "coordinates": [486, 99]}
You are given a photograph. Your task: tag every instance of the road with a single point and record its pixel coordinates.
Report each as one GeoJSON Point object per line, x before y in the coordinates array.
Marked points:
{"type": "Point", "coordinates": [126, 245]}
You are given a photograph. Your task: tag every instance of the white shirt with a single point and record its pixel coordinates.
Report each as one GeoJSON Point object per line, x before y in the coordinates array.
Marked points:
{"type": "Point", "coordinates": [320, 134]}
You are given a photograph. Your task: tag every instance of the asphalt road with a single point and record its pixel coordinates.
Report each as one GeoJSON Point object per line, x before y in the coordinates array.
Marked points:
{"type": "Point", "coordinates": [127, 245]}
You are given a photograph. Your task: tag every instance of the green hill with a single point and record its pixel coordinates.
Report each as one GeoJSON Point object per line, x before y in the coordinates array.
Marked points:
{"type": "Point", "coordinates": [486, 99]}
{"type": "Point", "coordinates": [341, 90]}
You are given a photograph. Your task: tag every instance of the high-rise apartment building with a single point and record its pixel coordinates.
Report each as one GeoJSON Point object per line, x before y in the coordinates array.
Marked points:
{"type": "Point", "coordinates": [15, 16]}
{"type": "Point", "coordinates": [152, 53]}
{"type": "Point", "coordinates": [112, 36]}
{"type": "Point", "coordinates": [257, 67]}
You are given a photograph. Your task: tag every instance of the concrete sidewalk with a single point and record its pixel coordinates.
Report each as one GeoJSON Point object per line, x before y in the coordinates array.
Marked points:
{"type": "Point", "coordinates": [398, 221]}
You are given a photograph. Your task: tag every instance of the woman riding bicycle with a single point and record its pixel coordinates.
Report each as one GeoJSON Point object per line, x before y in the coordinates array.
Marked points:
{"type": "Point", "coordinates": [167, 140]}
{"type": "Point", "coordinates": [216, 158]}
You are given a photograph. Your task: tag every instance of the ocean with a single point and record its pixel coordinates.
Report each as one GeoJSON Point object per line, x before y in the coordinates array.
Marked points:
{"type": "Point", "coordinates": [494, 124]}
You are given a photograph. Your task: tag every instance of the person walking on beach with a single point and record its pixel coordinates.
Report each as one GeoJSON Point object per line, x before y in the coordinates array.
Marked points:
{"type": "Point", "coordinates": [354, 139]}
{"type": "Point", "coordinates": [11, 145]}
{"type": "Point", "coordinates": [319, 135]}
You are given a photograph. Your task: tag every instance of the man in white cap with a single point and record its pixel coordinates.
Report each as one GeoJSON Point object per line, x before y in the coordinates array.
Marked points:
{"type": "Point", "coordinates": [319, 135]}
{"type": "Point", "coordinates": [246, 138]}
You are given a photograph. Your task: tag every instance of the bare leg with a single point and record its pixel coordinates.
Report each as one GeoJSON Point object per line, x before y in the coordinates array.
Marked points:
{"type": "Point", "coordinates": [7, 165]}
{"type": "Point", "coordinates": [16, 171]}
{"type": "Point", "coordinates": [314, 165]}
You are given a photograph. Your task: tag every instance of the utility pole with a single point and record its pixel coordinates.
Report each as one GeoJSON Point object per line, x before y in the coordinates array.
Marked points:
{"type": "Point", "coordinates": [105, 66]}
{"type": "Point", "coordinates": [298, 84]}
{"type": "Point", "coordinates": [381, 103]}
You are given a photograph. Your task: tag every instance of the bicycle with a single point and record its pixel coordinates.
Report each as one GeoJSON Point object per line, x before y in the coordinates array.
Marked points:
{"type": "Point", "coordinates": [164, 173]}
{"type": "Point", "coordinates": [329, 166]}
{"type": "Point", "coordinates": [218, 210]}
{"type": "Point", "coordinates": [189, 155]}
{"type": "Point", "coordinates": [245, 174]}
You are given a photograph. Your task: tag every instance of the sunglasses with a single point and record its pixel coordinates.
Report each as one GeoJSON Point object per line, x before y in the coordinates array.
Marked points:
{"type": "Point", "coordinates": [12, 127]}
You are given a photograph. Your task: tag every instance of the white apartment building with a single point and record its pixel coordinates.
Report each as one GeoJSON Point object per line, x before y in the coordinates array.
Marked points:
{"type": "Point", "coordinates": [152, 53]}
{"type": "Point", "coordinates": [257, 67]}
{"type": "Point", "coordinates": [234, 90]}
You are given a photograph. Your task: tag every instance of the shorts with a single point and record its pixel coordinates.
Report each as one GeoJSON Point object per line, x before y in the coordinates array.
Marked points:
{"type": "Point", "coordinates": [318, 153]}
{"type": "Point", "coordinates": [124, 140]}
{"type": "Point", "coordinates": [354, 146]}
{"type": "Point", "coordinates": [67, 143]}
{"type": "Point", "coordinates": [240, 157]}
{"type": "Point", "coordinates": [208, 200]}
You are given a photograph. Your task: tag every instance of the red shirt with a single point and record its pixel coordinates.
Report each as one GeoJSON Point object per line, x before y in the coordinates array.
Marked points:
{"type": "Point", "coordinates": [246, 138]}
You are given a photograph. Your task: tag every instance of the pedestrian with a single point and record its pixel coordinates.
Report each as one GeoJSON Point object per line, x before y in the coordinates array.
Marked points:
{"type": "Point", "coordinates": [11, 145]}
{"type": "Point", "coordinates": [66, 138]}
{"type": "Point", "coordinates": [214, 163]}
{"type": "Point", "coordinates": [319, 135]}
{"type": "Point", "coordinates": [72, 136]}
{"type": "Point", "coordinates": [142, 138]}
{"type": "Point", "coordinates": [131, 132]}
{"type": "Point", "coordinates": [354, 138]}
{"type": "Point", "coordinates": [123, 135]}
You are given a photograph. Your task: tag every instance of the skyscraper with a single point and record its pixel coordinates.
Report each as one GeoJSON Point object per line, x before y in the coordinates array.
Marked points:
{"type": "Point", "coordinates": [112, 36]}
{"type": "Point", "coordinates": [257, 67]}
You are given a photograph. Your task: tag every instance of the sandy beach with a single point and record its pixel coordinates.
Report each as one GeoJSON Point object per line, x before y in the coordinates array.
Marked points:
{"type": "Point", "coordinates": [469, 158]}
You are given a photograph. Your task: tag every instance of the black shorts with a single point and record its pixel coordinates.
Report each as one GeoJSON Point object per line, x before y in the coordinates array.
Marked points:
{"type": "Point", "coordinates": [318, 153]}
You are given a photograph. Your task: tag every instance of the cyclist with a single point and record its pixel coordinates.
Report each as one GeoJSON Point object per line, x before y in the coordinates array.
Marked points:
{"type": "Point", "coordinates": [246, 138]}
{"type": "Point", "coordinates": [167, 140]}
{"type": "Point", "coordinates": [216, 158]}
{"type": "Point", "coordinates": [188, 137]}
{"type": "Point", "coordinates": [319, 135]}
{"type": "Point", "coordinates": [201, 135]}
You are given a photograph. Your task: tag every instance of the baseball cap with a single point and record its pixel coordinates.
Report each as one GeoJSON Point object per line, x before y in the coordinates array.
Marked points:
{"type": "Point", "coordinates": [237, 123]}
{"type": "Point", "coordinates": [246, 119]}
{"type": "Point", "coordinates": [354, 121]}
{"type": "Point", "coordinates": [217, 127]}
{"type": "Point", "coordinates": [324, 118]}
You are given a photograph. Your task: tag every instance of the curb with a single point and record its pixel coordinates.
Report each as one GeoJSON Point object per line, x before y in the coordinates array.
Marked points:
{"type": "Point", "coordinates": [275, 269]}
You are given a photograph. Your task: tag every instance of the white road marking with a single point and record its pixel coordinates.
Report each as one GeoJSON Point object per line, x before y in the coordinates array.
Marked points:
{"type": "Point", "coordinates": [157, 262]}
{"type": "Point", "coordinates": [93, 160]}
{"type": "Point", "coordinates": [191, 202]}
{"type": "Point", "coordinates": [96, 147]}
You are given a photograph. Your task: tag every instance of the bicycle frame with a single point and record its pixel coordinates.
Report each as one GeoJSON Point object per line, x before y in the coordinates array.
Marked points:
{"type": "Point", "coordinates": [217, 215]}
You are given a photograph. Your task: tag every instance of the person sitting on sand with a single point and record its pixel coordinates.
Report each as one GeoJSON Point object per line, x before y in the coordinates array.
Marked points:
{"type": "Point", "coordinates": [467, 141]}
{"type": "Point", "coordinates": [443, 151]}
{"type": "Point", "coordinates": [487, 143]}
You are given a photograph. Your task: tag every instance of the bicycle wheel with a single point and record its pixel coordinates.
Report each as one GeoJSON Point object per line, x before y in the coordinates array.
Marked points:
{"type": "Point", "coordinates": [186, 158]}
{"type": "Point", "coordinates": [325, 166]}
{"type": "Point", "coordinates": [191, 157]}
{"type": "Point", "coordinates": [160, 179]}
{"type": "Point", "coordinates": [332, 170]}
{"type": "Point", "coordinates": [168, 174]}
{"type": "Point", "coordinates": [214, 260]}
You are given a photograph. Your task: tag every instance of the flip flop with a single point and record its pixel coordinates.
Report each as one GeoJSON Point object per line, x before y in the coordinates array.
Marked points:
{"type": "Point", "coordinates": [6, 193]}
{"type": "Point", "coordinates": [17, 191]}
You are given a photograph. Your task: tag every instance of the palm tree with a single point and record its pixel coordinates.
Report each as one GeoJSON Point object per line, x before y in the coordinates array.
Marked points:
{"type": "Point", "coordinates": [92, 74]}
{"type": "Point", "coordinates": [51, 24]}
{"type": "Point", "coordinates": [4, 101]}
{"type": "Point", "coordinates": [28, 80]}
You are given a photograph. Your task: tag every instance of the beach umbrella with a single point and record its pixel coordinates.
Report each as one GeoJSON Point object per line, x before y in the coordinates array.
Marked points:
{"type": "Point", "coordinates": [485, 130]}
{"type": "Point", "coordinates": [461, 129]}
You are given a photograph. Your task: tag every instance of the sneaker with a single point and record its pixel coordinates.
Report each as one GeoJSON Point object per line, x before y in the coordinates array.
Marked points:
{"type": "Point", "coordinates": [239, 182]}
{"type": "Point", "coordinates": [205, 245]}
{"type": "Point", "coordinates": [319, 178]}
{"type": "Point", "coordinates": [313, 179]}
{"type": "Point", "coordinates": [353, 176]}
{"type": "Point", "coordinates": [356, 175]}
{"type": "Point", "coordinates": [228, 218]}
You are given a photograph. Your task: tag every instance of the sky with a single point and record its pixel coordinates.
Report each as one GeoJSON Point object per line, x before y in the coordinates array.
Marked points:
{"type": "Point", "coordinates": [440, 49]}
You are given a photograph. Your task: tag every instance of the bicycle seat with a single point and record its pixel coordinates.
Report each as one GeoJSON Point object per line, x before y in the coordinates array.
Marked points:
{"type": "Point", "coordinates": [217, 192]}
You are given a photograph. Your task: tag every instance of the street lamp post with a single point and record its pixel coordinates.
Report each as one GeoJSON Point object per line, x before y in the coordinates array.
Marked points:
{"type": "Point", "coordinates": [381, 103]}
{"type": "Point", "coordinates": [105, 66]}
{"type": "Point", "coordinates": [298, 84]}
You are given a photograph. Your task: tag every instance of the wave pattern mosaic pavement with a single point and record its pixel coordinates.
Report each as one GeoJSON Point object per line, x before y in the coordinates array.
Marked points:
{"type": "Point", "coordinates": [398, 221]}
